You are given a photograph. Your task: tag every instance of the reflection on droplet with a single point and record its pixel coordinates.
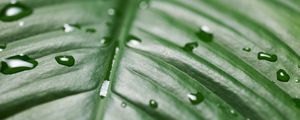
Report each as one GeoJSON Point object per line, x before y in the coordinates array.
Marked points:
{"type": "Point", "coordinates": [104, 89]}
{"type": "Point", "coordinates": [17, 63]}
{"type": "Point", "coordinates": [195, 98]}
{"type": "Point", "coordinates": [123, 104]}
{"type": "Point", "coordinates": [65, 60]}
{"type": "Point", "coordinates": [2, 46]}
{"type": "Point", "coordinates": [247, 49]}
{"type": "Point", "coordinates": [90, 30]}
{"type": "Point", "coordinates": [144, 5]}
{"type": "Point", "coordinates": [189, 47]}
{"type": "Point", "coordinates": [267, 56]}
{"type": "Point", "coordinates": [21, 24]}
{"type": "Point", "coordinates": [282, 76]}
{"type": "Point", "coordinates": [205, 34]}
{"type": "Point", "coordinates": [70, 27]}
{"type": "Point", "coordinates": [133, 41]}
{"type": "Point", "coordinates": [111, 11]}
{"type": "Point", "coordinates": [105, 41]}
{"type": "Point", "coordinates": [14, 11]}
{"type": "Point", "coordinates": [297, 80]}
{"type": "Point", "coordinates": [153, 103]}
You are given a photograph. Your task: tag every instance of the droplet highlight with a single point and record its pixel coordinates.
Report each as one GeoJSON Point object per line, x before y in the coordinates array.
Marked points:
{"type": "Point", "coordinates": [282, 75]}
{"type": "Point", "coordinates": [133, 41]}
{"type": "Point", "coordinates": [267, 57]}
{"type": "Point", "coordinates": [105, 41]}
{"type": "Point", "coordinates": [189, 47]}
{"type": "Point", "coordinates": [14, 11]}
{"type": "Point", "coordinates": [153, 103]}
{"type": "Point", "coordinates": [104, 89]}
{"type": "Point", "coordinates": [123, 104]}
{"type": "Point", "coordinates": [65, 60]}
{"type": "Point", "coordinates": [70, 27]}
{"type": "Point", "coordinates": [17, 64]}
{"type": "Point", "coordinates": [195, 98]}
{"type": "Point", "coordinates": [2, 46]}
{"type": "Point", "coordinates": [205, 34]}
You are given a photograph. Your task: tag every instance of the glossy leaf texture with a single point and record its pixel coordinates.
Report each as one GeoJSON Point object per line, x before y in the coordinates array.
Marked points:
{"type": "Point", "coordinates": [154, 59]}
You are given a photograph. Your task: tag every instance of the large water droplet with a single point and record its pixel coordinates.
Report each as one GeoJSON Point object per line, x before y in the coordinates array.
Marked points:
{"type": "Point", "coordinates": [65, 60]}
{"type": "Point", "coordinates": [195, 98]}
{"type": "Point", "coordinates": [189, 47]}
{"type": "Point", "coordinates": [14, 11]}
{"type": "Point", "coordinates": [17, 64]}
{"type": "Point", "coordinates": [133, 41]}
{"type": "Point", "coordinates": [153, 103]}
{"type": "Point", "coordinates": [104, 89]}
{"type": "Point", "coordinates": [282, 75]}
{"type": "Point", "coordinates": [90, 30]}
{"type": "Point", "coordinates": [247, 49]}
{"type": "Point", "coordinates": [70, 27]}
{"type": "Point", "coordinates": [267, 56]}
{"type": "Point", "coordinates": [205, 34]}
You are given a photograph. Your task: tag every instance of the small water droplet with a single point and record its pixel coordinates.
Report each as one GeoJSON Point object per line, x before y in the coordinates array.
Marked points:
{"type": "Point", "coordinates": [153, 103]}
{"type": "Point", "coordinates": [104, 89]}
{"type": "Point", "coordinates": [189, 47]}
{"type": "Point", "coordinates": [297, 80]}
{"type": "Point", "coordinates": [247, 49]}
{"type": "Point", "coordinates": [14, 11]}
{"type": "Point", "coordinates": [205, 34]}
{"type": "Point", "coordinates": [111, 11]}
{"type": "Point", "coordinates": [17, 63]}
{"type": "Point", "coordinates": [65, 60]}
{"type": "Point", "coordinates": [282, 76]}
{"type": "Point", "coordinates": [105, 40]}
{"type": "Point", "coordinates": [123, 104]}
{"type": "Point", "coordinates": [267, 56]}
{"type": "Point", "coordinates": [232, 111]}
{"type": "Point", "coordinates": [21, 24]}
{"type": "Point", "coordinates": [90, 30]}
{"type": "Point", "coordinates": [2, 46]}
{"type": "Point", "coordinates": [133, 41]}
{"type": "Point", "coordinates": [297, 102]}
{"type": "Point", "coordinates": [144, 5]}
{"type": "Point", "coordinates": [70, 27]}
{"type": "Point", "coordinates": [195, 98]}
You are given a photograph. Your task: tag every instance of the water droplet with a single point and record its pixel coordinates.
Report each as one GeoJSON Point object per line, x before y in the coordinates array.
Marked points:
{"type": "Point", "coordinates": [205, 34]}
{"type": "Point", "coordinates": [133, 41]}
{"type": "Point", "coordinates": [123, 104]}
{"type": "Point", "coordinates": [247, 49]}
{"type": "Point", "coordinates": [267, 56]}
{"type": "Point", "coordinates": [111, 11]}
{"type": "Point", "coordinates": [195, 98]}
{"type": "Point", "coordinates": [153, 103]}
{"type": "Point", "coordinates": [232, 111]}
{"type": "Point", "coordinates": [70, 27]}
{"type": "Point", "coordinates": [17, 64]}
{"type": "Point", "coordinates": [2, 46]}
{"type": "Point", "coordinates": [104, 89]}
{"type": "Point", "coordinates": [14, 11]}
{"type": "Point", "coordinates": [282, 75]}
{"type": "Point", "coordinates": [144, 5]}
{"type": "Point", "coordinates": [65, 60]}
{"type": "Point", "coordinates": [105, 40]}
{"type": "Point", "coordinates": [297, 102]}
{"type": "Point", "coordinates": [297, 80]}
{"type": "Point", "coordinates": [90, 30]}
{"type": "Point", "coordinates": [189, 47]}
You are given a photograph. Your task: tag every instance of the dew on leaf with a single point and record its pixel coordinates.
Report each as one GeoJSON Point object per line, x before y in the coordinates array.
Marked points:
{"type": "Point", "coordinates": [153, 103]}
{"type": "Point", "coordinates": [90, 30]}
{"type": "Point", "coordinates": [104, 89]}
{"type": "Point", "coordinates": [2, 46]}
{"type": "Point", "coordinates": [205, 34]}
{"type": "Point", "coordinates": [70, 27]}
{"type": "Point", "coordinates": [105, 40]}
{"type": "Point", "coordinates": [189, 47]}
{"type": "Point", "coordinates": [282, 75]}
{"type": "Point", "coordinates": [267, 56]}
{"type": "Point", "coordinates": [111, 11]}
{"type": "Point", "coordinates": [133, 41]}
{"type": "Point", "coordinates": [144, 5]}
{"type": "Point", "coordinates": [17, 63]}
{"type": "Point", "coordinates": [123, 104]}
{"type": "Point", "coordinates": [247, 49]}
{"type": "Point", "coordinates": [297, 80]}
{"type": "Point", "coordinates": [21, 24]}
{"type": "Point", "coordinates": [14, 11]}
{"type": "Point", "coordinates": [196, 98]}
{"type": "Point", "coordinates": [65, 60]}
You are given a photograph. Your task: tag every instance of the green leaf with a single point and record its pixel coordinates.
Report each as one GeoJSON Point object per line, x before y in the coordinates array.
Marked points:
{"type": "Point", "coordinates": [158, 59]}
